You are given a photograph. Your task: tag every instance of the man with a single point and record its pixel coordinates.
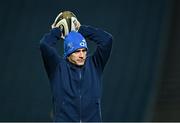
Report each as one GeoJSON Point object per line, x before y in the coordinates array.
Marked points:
{"type": "Point", "coordinates": [75, 79]}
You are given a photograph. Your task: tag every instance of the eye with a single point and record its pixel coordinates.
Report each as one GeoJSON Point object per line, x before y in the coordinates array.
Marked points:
{"type": "Point", "coordinates": [77, 51]}
{"type": "Point", "coordinates": [84, 50]}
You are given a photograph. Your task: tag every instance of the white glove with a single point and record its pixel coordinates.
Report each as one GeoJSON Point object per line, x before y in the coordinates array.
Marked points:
{"type": "Point", "coordinates": [75, 24]}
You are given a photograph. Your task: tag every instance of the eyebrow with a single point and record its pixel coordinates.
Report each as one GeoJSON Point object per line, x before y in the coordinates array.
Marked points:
{"type": "Point", "coordinates": [81, 50]}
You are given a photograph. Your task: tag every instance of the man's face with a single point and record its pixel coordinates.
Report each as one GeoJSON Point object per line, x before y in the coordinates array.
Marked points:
{"type": "Point", "coordinates": [78, 57]}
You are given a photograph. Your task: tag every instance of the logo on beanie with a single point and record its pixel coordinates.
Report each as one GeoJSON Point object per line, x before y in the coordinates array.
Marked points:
{"type": "Point", "coordinates": [83, 43]}
{"type": "Point", "coordinates": [70, 45]}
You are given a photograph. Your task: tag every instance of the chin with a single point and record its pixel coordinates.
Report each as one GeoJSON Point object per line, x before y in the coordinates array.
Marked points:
{"type": "Point", "coordinates": [80, 64]}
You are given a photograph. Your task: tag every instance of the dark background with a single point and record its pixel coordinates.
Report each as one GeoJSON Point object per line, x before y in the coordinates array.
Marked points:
{"type": "Point", "coordinates": [141, 81]}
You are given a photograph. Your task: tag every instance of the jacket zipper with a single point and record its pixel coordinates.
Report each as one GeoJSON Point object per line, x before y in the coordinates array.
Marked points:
{"type": "Point", "coordinates": [80, 77]}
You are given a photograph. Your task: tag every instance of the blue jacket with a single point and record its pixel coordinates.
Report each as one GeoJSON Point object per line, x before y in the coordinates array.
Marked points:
{"type": "Point", "coordinates": [76, 91]}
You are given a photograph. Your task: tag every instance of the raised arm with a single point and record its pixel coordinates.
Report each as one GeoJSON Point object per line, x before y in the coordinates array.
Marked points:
{"type": "Point", "coordinates": [48, 51]}
{"type": "Point", "coordinates": [103, 41]}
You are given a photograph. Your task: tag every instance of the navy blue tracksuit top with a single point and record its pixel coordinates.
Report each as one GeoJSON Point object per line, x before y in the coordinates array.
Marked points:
{"type": "Point", "coordinates": [76, 91]}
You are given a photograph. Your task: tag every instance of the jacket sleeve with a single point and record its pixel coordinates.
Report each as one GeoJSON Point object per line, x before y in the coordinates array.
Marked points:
{"type": "Point", "coordinates": [48, 51]}
{"type": "Point", "coordinates": [103, 41]}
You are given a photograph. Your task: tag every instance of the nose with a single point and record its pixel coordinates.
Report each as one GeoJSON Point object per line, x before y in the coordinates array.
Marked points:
{"type": "Point", "coordinates": [81, 54]}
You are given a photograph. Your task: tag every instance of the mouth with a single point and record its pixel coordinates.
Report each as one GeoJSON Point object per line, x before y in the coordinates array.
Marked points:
{"type": "Point", "coordinates": [82, 60]}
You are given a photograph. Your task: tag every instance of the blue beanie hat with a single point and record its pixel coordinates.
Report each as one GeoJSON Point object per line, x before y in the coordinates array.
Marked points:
{"type": "Point", "coordinates": [72, 42]}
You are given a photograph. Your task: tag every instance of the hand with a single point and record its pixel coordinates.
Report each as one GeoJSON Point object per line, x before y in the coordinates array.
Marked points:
{"type": "Point", "coordinates": [58, 26]}
{"type": "Point", "coordinates": [75, 24]}
{"type": "Point", "coordinates": [61, 23]}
